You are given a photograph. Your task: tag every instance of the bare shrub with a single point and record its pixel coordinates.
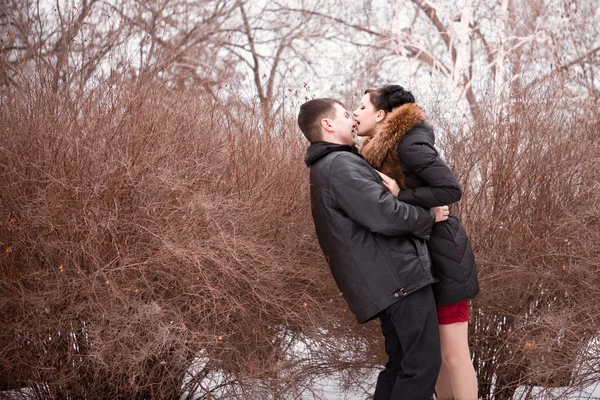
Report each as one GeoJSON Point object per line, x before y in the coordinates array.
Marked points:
{"type": "Point", "coordinates": [530, 203]}
{"type": "Point", "coordinates": [142, 227]}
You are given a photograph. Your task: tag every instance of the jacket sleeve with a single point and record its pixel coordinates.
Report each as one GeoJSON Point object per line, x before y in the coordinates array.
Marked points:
{"type": "Point", "coordinates": [418, 155]}
{"type": "Point", "coordinates": [358, 191]}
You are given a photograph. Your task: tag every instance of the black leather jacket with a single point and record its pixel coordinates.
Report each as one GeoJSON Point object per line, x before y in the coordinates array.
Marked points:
{"type": "Point", "coordinates": [374, 244]}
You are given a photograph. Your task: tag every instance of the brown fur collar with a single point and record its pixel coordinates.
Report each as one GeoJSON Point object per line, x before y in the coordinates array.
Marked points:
{"type": "Point", "coordinates": [381, 150]}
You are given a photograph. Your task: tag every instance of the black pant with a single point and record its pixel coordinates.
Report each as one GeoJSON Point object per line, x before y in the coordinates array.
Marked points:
{"type": "Point", "coordinates": [412, 343]}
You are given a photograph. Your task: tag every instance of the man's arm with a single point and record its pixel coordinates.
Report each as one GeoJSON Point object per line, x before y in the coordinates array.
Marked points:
{"type": "Point", "coordinates": [358, 191]}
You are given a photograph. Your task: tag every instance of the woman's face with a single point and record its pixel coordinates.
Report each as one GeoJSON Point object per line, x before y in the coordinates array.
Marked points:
{"type": "Point", "coordinates": [366, 116]}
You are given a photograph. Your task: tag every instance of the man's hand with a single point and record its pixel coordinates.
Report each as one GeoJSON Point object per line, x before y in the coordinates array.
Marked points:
{"type": "Point", "coordinates": [441, 213]}
{"type": "Point", "coordinates": [390, 184]}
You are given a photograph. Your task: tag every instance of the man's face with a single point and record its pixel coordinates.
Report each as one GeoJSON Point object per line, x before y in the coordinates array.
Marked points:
{"type": "Point", "coordinates": [343, 126]}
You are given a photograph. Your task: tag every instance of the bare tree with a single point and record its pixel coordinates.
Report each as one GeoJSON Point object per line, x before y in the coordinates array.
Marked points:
{"type": "Point", "coordinates": [482, 50]}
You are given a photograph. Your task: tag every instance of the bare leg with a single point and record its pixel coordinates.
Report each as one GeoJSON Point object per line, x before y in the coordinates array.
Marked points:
{"type": "Point", "coordinates": [458, 381]}
{"type": "Point", "coordinates": [443, 386]}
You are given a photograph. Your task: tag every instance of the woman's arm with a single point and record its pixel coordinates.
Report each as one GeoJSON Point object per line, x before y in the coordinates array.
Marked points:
{"type": "Point", "coordinates": [418, 155]}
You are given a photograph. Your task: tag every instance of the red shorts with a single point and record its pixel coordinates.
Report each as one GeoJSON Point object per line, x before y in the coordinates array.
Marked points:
{"type": "Point", "coordinates": [451, 313]}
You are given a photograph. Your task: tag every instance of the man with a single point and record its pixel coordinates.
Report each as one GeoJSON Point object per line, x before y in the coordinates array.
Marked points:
{"type": "Point", "coordinates": [375, 247]}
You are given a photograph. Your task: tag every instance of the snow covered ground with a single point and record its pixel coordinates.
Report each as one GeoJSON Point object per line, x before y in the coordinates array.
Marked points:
{"type": "Point", "coordinates": [564, 393]}
{"type": "Point", "coordinates": [329, 389]}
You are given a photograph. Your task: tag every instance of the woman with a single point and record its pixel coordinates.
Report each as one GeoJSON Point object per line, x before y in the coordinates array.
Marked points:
{"type": "Point", "coordinates": [400, 143]}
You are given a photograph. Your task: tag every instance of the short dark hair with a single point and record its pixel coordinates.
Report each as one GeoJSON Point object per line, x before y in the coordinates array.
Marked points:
{"type": "Point", "coordinates": [389, 97]}
{"type": "Point", "coordinates": [311, 114]}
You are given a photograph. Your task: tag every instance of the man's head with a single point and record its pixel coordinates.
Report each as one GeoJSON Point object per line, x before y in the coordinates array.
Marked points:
{"type": "Point", "coordinates": [327, 120]}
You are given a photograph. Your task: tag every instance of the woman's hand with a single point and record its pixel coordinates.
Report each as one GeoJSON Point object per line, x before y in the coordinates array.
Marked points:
{"type": "Point", "coordinates": [441, 213]}
{"type": "Point", "coordinates": [390, 184]}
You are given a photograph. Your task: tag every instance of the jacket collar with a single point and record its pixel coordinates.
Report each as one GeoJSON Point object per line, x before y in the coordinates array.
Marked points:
{"type": "Point", "coordinates": [319, 149]}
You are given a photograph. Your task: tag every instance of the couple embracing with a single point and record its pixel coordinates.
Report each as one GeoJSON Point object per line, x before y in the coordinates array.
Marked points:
{"type": "Point", "coordinates": [382, 221]}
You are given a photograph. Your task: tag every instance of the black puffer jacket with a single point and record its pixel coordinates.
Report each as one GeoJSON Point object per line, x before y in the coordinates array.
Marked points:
{"type": "Point", "coordinates": [405, 150]}
{"type": "Point", "coordinates": [374, 244]}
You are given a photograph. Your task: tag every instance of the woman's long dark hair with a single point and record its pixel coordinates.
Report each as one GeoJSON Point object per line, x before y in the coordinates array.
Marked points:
{"type": "Point", "coordinates": [389, 97]}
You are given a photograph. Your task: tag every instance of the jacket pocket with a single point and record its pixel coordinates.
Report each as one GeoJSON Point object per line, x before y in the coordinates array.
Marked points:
{"type": "Point", "coordinates": [419, 245]}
